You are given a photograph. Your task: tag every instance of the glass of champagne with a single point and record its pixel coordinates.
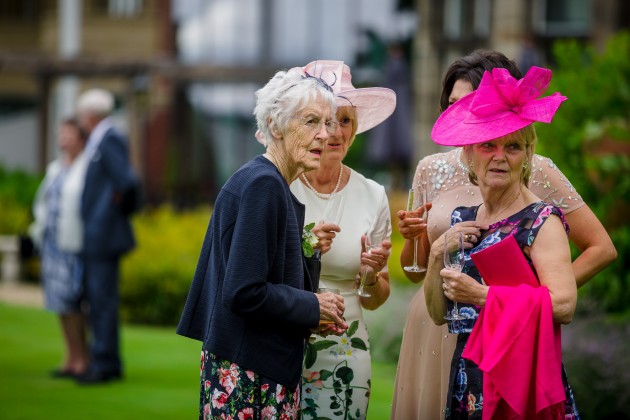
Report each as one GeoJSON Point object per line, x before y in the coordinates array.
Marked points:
{"type": "Point", "coordinates": [417, 198]}
{"type": "Point", "coordinates": [373, 240]}
{"type": "Point", "coordinates": [454, 258]}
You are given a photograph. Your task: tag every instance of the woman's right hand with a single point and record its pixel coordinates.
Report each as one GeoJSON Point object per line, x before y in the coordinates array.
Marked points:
{"type": "Point", "coordinates": [331, 308]}
{"type": "Point", "coordinates": [471, 231]}
{"type": "Point", "coordinates": [410, 223]}
{"type": "Point", "coordinates": [325, 232]}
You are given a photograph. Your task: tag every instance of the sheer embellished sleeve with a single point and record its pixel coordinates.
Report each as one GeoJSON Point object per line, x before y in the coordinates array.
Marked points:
{"type": "Point", "coordinates": [445, 180]}
{"type": "Point", "coordinates": [552, 186]}
{"type": "Point", "coordinates": [420, 177]}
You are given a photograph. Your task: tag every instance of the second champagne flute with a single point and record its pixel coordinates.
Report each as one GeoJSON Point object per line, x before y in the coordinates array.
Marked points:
{"type": "Point", "coordinates": [454, 259]}
{"type": "Point", "coordinates": [373, 240]}
{"type": "Point", "coordinates": [416, 199]}
{"type": "Point", "coordinates": [334, 209]}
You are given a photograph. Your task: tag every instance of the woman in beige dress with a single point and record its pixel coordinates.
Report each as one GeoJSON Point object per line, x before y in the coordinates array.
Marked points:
{"type": "Point", "coordinates": [426, 350]}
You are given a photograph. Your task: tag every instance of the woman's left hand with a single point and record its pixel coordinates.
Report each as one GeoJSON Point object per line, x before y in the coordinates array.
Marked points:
{"type": "Point", "coordinates": [325, 232]}
{"type": "Point", "coordinates": [377, 258]}
{"type": "Point", "coordinates": [462, 288]}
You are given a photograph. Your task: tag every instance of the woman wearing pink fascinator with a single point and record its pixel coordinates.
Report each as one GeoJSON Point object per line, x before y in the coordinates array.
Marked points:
{"type": "Point", "coordinates": [507, 362]}
{"type": "Point", "coordinates": [344, 205]}
{"type": "Point", "coordinates": [426, 350]}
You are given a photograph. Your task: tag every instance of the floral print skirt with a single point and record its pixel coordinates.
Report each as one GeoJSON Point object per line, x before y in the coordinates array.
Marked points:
{"type": "Point", "coordinates": [465, 392]}
{"type": "Point", "coordinates": [336, 374]}
{"type": "Point", "coordinates": [230, 392]}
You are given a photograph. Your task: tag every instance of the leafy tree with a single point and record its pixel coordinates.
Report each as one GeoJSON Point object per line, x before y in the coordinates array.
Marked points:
{"type": "Point", "coordinates": [589, 140]}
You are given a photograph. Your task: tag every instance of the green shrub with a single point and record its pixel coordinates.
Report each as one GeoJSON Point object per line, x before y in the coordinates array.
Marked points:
{"type": "Point", "coordinates": [589, 139]}
{"type": "Point", "coordinates": [17, 193]}
{"type": "Point", "coordinates": [397, 201]}
{"type": "Point", "coordinates": [596, 358]}
{"type": "Point", "coordinates": [156, 276]}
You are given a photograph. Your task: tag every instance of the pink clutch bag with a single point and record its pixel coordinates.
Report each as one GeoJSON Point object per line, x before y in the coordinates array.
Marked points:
{"type": "Point", "coordinates": [503, 264]}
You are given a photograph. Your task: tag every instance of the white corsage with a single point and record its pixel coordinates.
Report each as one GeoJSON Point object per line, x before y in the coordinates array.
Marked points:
{"type": "Point", "coordinates": [309, 240]}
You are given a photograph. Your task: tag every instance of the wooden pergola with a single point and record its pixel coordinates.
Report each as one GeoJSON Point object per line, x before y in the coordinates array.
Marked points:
{"type": "Point", "coordinates": [46, 69]}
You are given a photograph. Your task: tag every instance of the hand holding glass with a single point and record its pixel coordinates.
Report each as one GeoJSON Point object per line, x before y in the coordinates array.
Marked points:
{"type": "Point", "coordinates": [417, 198]}
{"type": "Point", "coordinates": [373, 241]}
{"type": "Point", "coordinates": [328, 290]}
{"type": "Point", "coordinates": [454, 258]}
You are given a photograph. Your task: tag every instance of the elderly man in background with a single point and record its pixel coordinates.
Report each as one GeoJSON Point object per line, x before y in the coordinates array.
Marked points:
{"type": "Point", "coordinates": [106, 204]}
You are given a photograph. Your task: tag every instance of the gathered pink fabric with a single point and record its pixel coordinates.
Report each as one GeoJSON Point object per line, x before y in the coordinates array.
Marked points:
{"type": "Point", "coordinates": [500, 94]}
{"type": "Point", "coordinates": [501, 105]}
{"type": "Point", "coordinates": [517, 346]}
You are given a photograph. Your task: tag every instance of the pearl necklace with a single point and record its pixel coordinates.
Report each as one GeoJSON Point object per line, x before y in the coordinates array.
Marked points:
{"type": "Point", "coordinates": [322, 195]}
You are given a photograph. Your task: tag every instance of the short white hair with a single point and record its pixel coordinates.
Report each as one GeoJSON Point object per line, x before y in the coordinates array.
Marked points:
{"type": "Point", "coordinates": [283, 96]}
{"type": "Point", "coordinates": [97, 101]}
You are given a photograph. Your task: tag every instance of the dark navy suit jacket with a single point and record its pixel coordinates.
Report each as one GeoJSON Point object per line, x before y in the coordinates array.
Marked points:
{"type": "Point", "coordinates": [109, 175]}
{"type": "Point", "coordinates": [251, 300]}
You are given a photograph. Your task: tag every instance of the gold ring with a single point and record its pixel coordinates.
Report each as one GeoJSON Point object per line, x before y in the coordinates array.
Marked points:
{"type": "Point", "coordinates": [468, 237]}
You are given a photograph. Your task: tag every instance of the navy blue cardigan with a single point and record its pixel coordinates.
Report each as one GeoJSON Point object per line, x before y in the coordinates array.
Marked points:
{"type": "Point", "coordinates": [251, 300]}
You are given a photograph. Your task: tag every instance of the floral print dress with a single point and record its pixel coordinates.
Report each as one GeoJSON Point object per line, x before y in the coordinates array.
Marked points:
{"type": "Point", "coordinates": [230, 392]}
{"type": "Point", "coordinates": [61, 272]}
{"type": "Point", "coordinates": [336, 378]}
{"type": "Point", "coordinates": [465, 398]}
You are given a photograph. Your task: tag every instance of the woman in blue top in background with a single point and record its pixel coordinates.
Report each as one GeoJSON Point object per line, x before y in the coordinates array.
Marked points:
{"type": "Point", "coordinates": [252, 299]}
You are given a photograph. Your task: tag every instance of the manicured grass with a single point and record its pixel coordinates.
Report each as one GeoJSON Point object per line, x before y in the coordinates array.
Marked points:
{"type": "Point", "coordinates": [161, 368]}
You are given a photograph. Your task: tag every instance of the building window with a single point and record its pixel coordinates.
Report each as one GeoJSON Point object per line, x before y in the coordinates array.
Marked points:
{"type": "Point", "coordinates": [453, 19]}
{"type": "Point", "coordinates": [125, 8]}
{"type": "Point", "coordinates": [19, 11]}
{"type": "Point", "coordinates": [562, 17]}
{"type": "Point", "coordinates": [481, 24]}
{"type": "Point", "coordinates": [119, 8]}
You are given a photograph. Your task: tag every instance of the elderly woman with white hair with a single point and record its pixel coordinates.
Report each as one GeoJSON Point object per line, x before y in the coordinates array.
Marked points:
{"type": "Point", "coordinates": [252, 301]}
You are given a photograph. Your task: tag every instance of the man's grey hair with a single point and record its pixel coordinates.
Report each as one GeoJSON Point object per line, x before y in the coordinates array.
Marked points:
{"type": "Point", "coordinates": [97, 101]}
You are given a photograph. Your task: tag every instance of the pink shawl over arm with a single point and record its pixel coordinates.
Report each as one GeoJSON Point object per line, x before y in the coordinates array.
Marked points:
{"type": "Point", "coordinates": [517, 346]}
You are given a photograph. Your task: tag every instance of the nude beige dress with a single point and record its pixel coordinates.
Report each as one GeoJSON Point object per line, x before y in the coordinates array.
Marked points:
{"type": "Point", "coordinates": [426, 351]}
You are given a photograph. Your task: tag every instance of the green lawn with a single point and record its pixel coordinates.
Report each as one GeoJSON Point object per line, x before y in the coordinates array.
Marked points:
{"type": "Point", "coordinates": [161, 371]}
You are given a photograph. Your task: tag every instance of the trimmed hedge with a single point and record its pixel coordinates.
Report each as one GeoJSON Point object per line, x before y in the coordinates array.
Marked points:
{"type": "Point", "coordinates": [156, 276]}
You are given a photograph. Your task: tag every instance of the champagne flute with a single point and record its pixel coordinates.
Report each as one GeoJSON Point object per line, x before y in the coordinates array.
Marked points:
{"type": "Point", "coordinates": [373, 240]}
{"type": "Point", "coordinates": [417, 198]}
{"type": "Point", "coordinates": [454, 258]}
{"type": "Point", "coordinates": [333, 210]}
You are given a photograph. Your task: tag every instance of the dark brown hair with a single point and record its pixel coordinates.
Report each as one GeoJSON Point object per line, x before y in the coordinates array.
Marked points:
{"type": "Point", "coordinates": [471, 68]}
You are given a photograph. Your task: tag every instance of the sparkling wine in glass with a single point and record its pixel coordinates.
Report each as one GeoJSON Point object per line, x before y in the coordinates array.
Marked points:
{"type": "Point", "coordinates": [454, 259]}
{"type": "Point", "coordinates": [417, 198]}
{"type": "Point", "coordinates": [373, 240]}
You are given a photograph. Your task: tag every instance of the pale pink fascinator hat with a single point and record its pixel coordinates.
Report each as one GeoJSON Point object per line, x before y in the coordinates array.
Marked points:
{"type": "Point", "coordinates": [500, 106]}
{"type": "Point", "coordinates": [373, 105]}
